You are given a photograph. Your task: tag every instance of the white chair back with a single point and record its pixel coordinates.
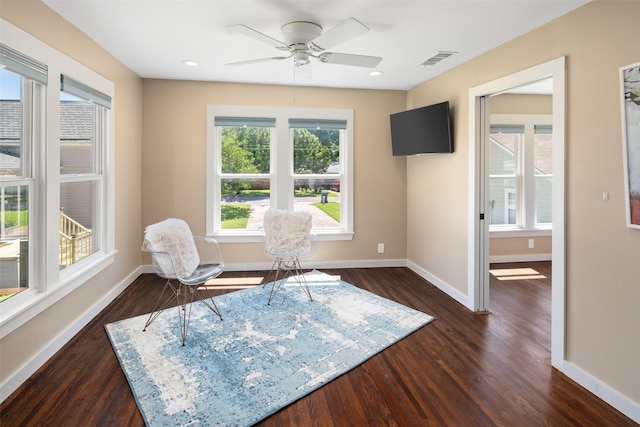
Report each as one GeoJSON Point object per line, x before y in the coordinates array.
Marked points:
{"type": "Point", "coordinates": [287, 234]}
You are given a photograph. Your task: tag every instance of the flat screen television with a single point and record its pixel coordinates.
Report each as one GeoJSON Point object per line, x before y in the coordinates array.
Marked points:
{"type": "Point", "coordinates": [424, 130]}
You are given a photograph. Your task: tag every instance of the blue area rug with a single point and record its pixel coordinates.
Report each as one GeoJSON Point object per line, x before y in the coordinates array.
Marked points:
{"type": "Point", "coordinates": [260, 358]}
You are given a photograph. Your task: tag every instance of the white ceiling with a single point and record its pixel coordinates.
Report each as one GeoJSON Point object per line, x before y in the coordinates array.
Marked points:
{"type": "Point", "coordinates": [154, 37]}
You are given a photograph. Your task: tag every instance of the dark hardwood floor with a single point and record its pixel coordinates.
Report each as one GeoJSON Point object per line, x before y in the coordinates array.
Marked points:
{"type": "Point", "coordinates": [463, 369]}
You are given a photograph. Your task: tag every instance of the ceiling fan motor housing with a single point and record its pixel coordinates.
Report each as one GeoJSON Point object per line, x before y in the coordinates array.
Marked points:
{"type": "Point", "coordinates": [300, 32]}
{"type": "Point", "coordinates": [297, 36]}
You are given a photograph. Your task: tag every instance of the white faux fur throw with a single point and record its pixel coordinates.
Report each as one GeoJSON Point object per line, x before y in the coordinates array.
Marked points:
{"type": "Point", "coordinates": [174, 237]}
{"type": "Point", "coordinates": [287, 233]}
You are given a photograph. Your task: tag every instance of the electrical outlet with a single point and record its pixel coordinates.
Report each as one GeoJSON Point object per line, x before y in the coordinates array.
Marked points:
{"type": "Point", "coordinates": [380, 248]}
{"type": "Point", "coordinates": [531, 244]}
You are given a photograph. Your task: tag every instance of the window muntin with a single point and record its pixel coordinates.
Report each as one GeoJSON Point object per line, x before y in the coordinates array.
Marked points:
{"type": "Point", "coordinates": [520, 175]}
{"type": "Point", "coordinates": [309, 163]}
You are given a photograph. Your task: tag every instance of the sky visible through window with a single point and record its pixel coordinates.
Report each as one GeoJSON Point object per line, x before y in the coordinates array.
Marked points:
{"type": "Point", "coordinates": [10, 87]}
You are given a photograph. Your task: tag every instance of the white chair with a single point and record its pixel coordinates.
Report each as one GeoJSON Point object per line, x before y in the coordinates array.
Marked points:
{"type": "Point", "coordinates": [288, 239]}
{"type": "Point", "coordinates": [190, 260]}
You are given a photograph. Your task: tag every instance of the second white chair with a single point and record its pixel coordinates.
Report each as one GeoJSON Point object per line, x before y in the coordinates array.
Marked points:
{"type": "Point", "coordinates": [287, 240]}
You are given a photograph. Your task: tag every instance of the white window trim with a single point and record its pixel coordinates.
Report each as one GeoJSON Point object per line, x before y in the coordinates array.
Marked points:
{"type": "Point", "coordinates": [529, 227]}
{"type": "Point", "coordinates": [50, 285]}
{"type": "Point", "coordinates": [282, 115]}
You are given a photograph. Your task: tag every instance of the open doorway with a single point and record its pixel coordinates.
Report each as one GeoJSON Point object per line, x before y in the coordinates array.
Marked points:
{"type": "Point", "coordinates": [519, 183]}
{"type": "Point", "coordinates": [478, 252]}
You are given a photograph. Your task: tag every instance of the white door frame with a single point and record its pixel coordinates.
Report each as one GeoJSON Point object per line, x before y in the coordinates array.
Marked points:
{"type": "Point", "coordinates": [478, 273]}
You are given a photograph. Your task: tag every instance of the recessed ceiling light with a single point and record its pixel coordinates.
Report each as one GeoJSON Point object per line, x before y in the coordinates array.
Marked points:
{"type": "Point", "coordinates": [190, 62]}
{"type": "Point", "coordinates": [375, 73]}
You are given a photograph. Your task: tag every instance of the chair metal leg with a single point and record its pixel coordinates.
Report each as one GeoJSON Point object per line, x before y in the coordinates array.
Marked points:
{"type": "Point", "coordinates": [302, 281]}
{"type": "Point", "coordinates": [184, 314]}
{"type": "Point", "coordinates": [272, 270]}
{"type": "Point", "coordinates": [161, 304]}
{"type": "Point", "coordinates": [275, 285]}
{"type": "Point", "coordinates": [190, 293]}
{"type": "Point", "coordinates": [211, 304]}
{"type": "Point", "coordinates": [184, 296]}
{"type": "Point", "coordinates": [290, 268]}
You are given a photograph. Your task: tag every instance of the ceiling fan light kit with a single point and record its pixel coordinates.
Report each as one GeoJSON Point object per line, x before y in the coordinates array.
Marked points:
{"type": "Point", "coordinates": [304, 40]}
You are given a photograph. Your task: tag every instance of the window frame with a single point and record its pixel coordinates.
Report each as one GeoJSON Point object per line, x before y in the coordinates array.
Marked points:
{"type": "Point", "coordinates": [48, 284]}
{"type": "Point", "coordinates": [96, 176]}
{"type": "Point", "coordinates": [281, 172]}
{"type": "Point", "coordinates": [526, 224]}
{"type": "Point", "coordinates": [32, 98]}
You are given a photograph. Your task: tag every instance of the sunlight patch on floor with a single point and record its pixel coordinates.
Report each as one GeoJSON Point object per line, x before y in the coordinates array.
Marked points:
{"type": "Point", "coordinates": [516, 274]}
{"type": "Point", "coordinates": [232, 283]}
{"type": "Point", "coordinates": [240, 282]}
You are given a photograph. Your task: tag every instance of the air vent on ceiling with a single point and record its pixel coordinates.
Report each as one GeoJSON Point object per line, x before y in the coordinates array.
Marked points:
{"type": "Point", "coordinates": [439, 56]}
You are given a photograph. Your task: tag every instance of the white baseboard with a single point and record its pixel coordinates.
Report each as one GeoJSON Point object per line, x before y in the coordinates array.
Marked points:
{"type": "Point", "coordinates": [307, 265]}
{"type": "Point", "coordinates": [519, 258]}
{"type": "Point", "coordinates": [613, 397]}
{"type": "Point", "coordinates": [438, 283]}
{"type": "Point", "coordinates": [21, 375]}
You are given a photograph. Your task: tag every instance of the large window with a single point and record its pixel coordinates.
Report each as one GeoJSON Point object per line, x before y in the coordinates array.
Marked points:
{"type": "Point", "coordinates": [285, 158]}
{"type": "Point", "coordinates": [22, 83]}
{"type": "Point", "coordinates": [520, 173]}
{"type": "Point", "coordinates": [83, 136]}
{"type": "Point", "coordinates": [56, 176]}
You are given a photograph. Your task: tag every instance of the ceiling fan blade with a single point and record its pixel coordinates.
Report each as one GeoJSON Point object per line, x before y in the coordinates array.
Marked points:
{"type": "Point", "coordinates": [342, 32]}
{"type": "Point", "coordinates": [255, 61]}
{"type": "Point", "coordinates": [303, 72]}
{"type": "Point", "coordinates": [257, 35]}
{"type": "Point", "coordinates": [349, 59]}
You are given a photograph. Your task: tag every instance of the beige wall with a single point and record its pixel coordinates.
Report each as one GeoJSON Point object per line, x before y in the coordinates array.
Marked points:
{"type": "Point", "coordinates": [508, 103]}
{"type": "Point", "coordinates": [34, 17]}
{"type": "Point", "coordinates": [174, 129]}
{"type": "Point", "coordinates": [511, 248]}
{"type": "Point", "coordinates": [602, 276]}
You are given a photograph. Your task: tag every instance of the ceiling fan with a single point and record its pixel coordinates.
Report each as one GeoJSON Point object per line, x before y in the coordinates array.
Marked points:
{"type": "Point", "coordinates": [304, 40]}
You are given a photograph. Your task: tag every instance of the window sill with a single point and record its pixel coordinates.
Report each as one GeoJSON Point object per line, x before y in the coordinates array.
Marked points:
{"type": "Point", "coordinates": [256, 237]}
{"type": "Point", "coordinates": [503, 234]}
{"type": "Point", "coordinates": [30, 303]}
